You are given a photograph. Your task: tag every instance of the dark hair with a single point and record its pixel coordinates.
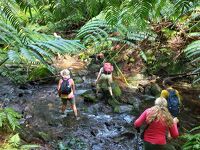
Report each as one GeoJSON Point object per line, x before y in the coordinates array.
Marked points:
{"type": "Point", "coordinates": [168, 82]}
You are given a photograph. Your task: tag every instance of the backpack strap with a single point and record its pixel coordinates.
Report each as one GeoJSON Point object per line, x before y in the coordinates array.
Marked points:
{"type": "Point", "coordinates": [171, 90]}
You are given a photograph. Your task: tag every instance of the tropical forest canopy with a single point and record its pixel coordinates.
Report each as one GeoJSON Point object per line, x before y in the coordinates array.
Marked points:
{"type": "Point", "coordinates": [159, 31]}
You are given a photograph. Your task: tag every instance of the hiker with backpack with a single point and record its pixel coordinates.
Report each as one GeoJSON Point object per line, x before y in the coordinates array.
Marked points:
{"type": "Point", "coordinates": [66, 91]}
{"type": "Point", "coordinates": [172, 96]}
{"type": "Point", "coordinates": [105, 74]}
{"type": "Point", "coordinates": [158, 121]}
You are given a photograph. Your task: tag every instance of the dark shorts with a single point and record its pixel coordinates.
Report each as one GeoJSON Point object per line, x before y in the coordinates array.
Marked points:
{"type": "Point", "coordinates": [149, 146]}
{"type": "Point", "coordinates": [71, 100]}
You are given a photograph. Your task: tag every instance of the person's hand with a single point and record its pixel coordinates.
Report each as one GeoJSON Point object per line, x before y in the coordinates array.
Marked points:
{"type": "Point", "coordinates": [95, 82]}
{"type": "Point", "coordinates": [169, 137]}
{"type": "Point", "coordinates": [175, 120]}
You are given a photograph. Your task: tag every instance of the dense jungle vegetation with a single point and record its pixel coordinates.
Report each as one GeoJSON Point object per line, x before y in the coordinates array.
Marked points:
{"type": "Point", "coordinates": [155, 38]}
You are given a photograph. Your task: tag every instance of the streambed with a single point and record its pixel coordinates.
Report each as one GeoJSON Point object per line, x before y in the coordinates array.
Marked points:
{"type": "Point", "coordinates": [99, 128]}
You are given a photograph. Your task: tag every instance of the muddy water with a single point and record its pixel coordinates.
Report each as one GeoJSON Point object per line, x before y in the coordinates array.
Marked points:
{"type": "Point", "coordinates": [98, 128]}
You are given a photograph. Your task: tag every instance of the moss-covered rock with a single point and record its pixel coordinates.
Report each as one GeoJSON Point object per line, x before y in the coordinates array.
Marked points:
{"type": "Point", "coordinates": [153, 89]}
{"type": "Point", "coordinates": [78, 80]}
{"type": "Point", "coordinates": [94, 67]}
{"type": "Point", "coordinates": [89, 96]}
{"type": "Point", "coordinates": [114, 104]}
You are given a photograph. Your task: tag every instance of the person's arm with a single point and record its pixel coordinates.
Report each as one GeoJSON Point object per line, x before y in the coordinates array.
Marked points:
{"type": "Point", "coordinates": [140, 120]}
{"type": "Point", "coordinates": [174, 129]}
{"type": "Point", "coordinates": [58, 86]}
{"type": "Point", "coordinates": [73, 86]}
{"type": "Point", "coordinates": [99, 74]}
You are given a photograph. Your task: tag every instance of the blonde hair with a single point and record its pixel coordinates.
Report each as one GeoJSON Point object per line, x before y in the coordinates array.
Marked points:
{"type": "Point", "coordinates": [65, 73]}
{"type": "Point", "coordinates": [160, 112]}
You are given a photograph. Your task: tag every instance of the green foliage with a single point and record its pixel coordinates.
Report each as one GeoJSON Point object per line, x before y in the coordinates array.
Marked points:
{"type": "Point", "coordinates": [193, 53]}
{"type": "Point", "coordinates": [39, 73]}
{"type": "Point", "coordinates": [142, 12]}
{"type": "Point", "coordinates": [17, 75]}
{"type": "Point", "coordinates": [23, 44]}
{"type": "Point", "coordinates": [9, 119]}
{"type": "Point", "coordinates": [72, 143]}
{"type": "Point", "coordinates": [32, 46]}
{"type": "Point", "coordinates": [14, 143]}
{"type": "Point", "coordinates": [98, 32]}
{"type": "Point", "coordinates": [94, 31]}
{"type": "Point", "coordinates": [20, 45]}
{"type": "Point", "coordinates": [62, 11]}
{"type": "Point", "coordinates": [192, 139]}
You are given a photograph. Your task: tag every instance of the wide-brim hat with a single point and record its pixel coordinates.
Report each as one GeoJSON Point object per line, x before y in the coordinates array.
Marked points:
{"type": "Point", "coordinates": [65, 73]}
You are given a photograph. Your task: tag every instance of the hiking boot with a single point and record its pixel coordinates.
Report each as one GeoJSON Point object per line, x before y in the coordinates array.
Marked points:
{"type": "Point", "coordinates": [77, 118]}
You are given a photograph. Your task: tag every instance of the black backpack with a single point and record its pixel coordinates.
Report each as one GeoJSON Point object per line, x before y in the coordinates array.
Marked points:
{"type": "Point", "coordinates": [65, 87]}
{"type": "Point", "coordinates": [173, 102]}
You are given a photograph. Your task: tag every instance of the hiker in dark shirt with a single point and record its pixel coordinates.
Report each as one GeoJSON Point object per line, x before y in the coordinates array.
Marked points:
{"type": "Point", "coordinates": [66, 89]}
{"type": "Point", "coordinates": [170, 93]}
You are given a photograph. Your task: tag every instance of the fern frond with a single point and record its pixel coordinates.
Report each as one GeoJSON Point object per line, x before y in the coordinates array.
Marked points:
{"type": "Point", "coordinates": [13, 56]}
{"type": "Point", "coordinates": [12, 117]}
{"type": "Point", "coordinates": [122, 41]}
{"type": "Point", "coordinates": [10, 15]}
{"type": "Point", "coordinates": [39, 50]}
{"type": "Point", "coordinates": [192, 51]}
{"type": "Point", "coordinates": [27, 54]}
{"type": "Point", "coordinates": [2, 118]}
{"type": "Point", "coordinates": [94, 25]}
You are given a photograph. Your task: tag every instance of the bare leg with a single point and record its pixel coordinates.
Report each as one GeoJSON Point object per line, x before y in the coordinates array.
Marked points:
{"type": "Point", "coordinates": [63, 108]}
{"type": "Point", "coordinates": [97, 88]}
{"type": "Point", "coordinates": [110, 90]}
{"type": "Point", "coordinates": [73, 106]}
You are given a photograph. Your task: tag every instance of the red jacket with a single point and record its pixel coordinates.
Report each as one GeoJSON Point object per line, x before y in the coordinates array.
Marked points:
{"type": "Point", "coordinates": [156, 131]}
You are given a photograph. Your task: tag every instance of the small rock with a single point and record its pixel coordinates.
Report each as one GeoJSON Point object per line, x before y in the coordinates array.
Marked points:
{"type": "Point", "coordinates": [125, 108]}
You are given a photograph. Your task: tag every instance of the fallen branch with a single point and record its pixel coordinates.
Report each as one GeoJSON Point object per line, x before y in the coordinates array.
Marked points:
{"type": "Point", "coordinates": [173, 76]}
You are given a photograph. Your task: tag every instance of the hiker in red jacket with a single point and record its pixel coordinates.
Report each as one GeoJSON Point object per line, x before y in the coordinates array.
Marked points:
{"type": "Point", "coordinates": [105, 74]}
{"type": "Point", "coordinates": [159, 121]}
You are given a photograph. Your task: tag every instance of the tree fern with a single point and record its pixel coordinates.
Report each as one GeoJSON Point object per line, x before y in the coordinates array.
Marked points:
{"type": "Point", "coordinates": [193, 52]}
{"type": "Point", "coordinates": [99, 31]}
{"type": "Point", "coordinates": [22, 45]}
{"type": "Point", "coordinates": [136, 11]}
{"type": "Point", "coordinates": [143, 12]}
{"type": "Point", "coordinates": [30, 45]}
{"type": "Point", "coordinates": [93, 31]}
